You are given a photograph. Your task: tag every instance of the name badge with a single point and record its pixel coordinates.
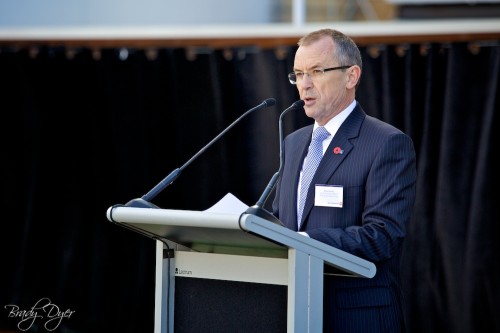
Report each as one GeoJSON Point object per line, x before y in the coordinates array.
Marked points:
{"type": "Point", "coordinates": [329, 196]}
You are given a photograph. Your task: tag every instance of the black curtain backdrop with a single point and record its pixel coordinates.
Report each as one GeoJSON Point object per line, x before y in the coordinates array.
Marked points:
{"type": "Point", "coordinates": [85, 129]}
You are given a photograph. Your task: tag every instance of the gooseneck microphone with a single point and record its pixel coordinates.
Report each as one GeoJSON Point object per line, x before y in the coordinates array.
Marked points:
{"type": "Point", "coordinates": [144, 201]}
{"type": "Point", "coordinates": [258, 208]}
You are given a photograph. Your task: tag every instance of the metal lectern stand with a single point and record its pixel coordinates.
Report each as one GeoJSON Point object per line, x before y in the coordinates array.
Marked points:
{"type": "Point", "coordinates": [238, 247]}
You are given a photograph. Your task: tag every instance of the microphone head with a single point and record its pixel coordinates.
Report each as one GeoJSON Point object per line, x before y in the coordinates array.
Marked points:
{"type": "Point", "coordinates": [269, 102]}
{"type": "Point", "coordinates": [299, 103]}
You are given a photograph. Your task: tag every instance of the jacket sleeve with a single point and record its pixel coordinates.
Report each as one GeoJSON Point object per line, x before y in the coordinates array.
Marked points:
{"type": "Point", "coordinates": [388, 197]}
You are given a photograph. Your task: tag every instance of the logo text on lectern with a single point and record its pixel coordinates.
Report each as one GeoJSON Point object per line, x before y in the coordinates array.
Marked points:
{"type": "Point", "coordinates": [179, 271]}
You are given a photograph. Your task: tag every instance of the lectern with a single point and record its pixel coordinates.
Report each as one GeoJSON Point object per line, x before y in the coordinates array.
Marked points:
{"type": "Point", "coordinates": [238, 247]}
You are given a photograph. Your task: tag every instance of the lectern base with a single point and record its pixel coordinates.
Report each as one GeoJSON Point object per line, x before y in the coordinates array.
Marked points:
{"type": "Point", "coordinates": [206, 305]}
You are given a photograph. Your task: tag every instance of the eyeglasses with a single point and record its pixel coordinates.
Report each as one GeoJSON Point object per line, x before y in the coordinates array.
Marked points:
{"type": "Point", "coordinates": [295, 77]}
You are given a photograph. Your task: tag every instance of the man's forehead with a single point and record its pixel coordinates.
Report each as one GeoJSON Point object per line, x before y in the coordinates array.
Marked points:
{"type": "Point", "coordinates": [314, 55]}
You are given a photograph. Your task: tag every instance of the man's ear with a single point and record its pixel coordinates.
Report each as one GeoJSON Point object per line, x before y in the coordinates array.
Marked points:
{"type": "Point", "coordinates": [353, 75]}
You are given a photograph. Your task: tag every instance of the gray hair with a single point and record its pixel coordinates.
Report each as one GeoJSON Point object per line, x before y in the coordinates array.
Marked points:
{"type": "Point", "coordinates": [346, 51]}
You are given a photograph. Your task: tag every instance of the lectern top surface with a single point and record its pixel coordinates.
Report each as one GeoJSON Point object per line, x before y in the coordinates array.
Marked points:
{"type": "Point", "coordinates": [198, 231]}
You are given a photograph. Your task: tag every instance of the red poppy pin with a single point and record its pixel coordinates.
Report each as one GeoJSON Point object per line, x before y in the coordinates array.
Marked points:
{"type": "Point", "coordinates": [337, 151]}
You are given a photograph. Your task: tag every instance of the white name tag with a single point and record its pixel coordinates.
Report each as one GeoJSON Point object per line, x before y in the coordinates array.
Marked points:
{"type": "Point", "coordinates": [329, 196]}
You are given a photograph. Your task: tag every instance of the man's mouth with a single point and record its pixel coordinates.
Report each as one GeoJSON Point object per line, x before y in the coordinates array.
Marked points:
{"type": "Point", "coordinates": [308, 100]}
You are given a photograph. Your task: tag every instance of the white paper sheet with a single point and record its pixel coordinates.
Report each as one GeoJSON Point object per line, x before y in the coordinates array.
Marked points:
{"type": "Point", "coordinates": [229, 204]}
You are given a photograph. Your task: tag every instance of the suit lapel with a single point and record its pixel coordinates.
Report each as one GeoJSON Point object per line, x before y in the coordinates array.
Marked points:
{"type": "Point", "coordinates": [298, 154]}
{"type": "Point", "coordinates": [333, 157]}
{"type": "Point", "coordinates": [295, 150]}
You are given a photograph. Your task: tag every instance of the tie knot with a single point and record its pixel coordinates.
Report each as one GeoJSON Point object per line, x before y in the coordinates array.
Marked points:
{"type": "Point", "coordinates": [320, 134]}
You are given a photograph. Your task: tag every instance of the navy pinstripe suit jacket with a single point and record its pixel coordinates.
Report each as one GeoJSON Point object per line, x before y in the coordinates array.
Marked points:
{"type": "Point", "coordinates": [377, 171]}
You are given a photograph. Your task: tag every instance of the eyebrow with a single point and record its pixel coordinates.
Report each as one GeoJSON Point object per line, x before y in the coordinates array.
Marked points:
{"type": "Point", "coordinates": [313, 67]}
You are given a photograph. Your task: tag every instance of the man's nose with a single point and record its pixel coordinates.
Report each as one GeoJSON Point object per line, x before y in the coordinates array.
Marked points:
{"type": "Point", "coordinates": [306, 80]}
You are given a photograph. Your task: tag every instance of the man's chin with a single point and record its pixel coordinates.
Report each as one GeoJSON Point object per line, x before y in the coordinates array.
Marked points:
{"type": "Point", "coordinates": [309, 112]}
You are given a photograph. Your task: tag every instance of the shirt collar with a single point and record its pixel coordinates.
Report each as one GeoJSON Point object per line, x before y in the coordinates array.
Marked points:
{"type": "Point", "coordinates": [334, 124]}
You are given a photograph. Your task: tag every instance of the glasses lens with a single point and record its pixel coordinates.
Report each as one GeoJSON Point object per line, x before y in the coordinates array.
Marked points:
{"type": "Point", "coordinates": [292, 78]}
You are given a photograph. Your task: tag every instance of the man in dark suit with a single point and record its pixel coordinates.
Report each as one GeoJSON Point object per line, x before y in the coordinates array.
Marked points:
{"type": "Point", "coordinates": [361, 195]}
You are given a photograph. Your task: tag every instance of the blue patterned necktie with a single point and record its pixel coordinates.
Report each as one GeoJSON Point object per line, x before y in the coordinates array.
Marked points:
{"type": "Point", "coordinates": [313, 158]}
